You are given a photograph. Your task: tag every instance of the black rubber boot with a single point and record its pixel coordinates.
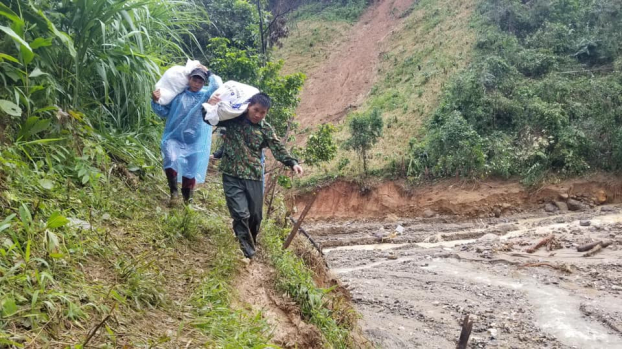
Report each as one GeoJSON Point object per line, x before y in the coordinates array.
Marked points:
{"type": "Point", "coordinates": [187, 194]}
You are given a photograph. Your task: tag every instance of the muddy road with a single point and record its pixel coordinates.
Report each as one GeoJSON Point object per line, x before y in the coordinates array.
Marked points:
{"type": "Point", "coordinates": [414, 280]}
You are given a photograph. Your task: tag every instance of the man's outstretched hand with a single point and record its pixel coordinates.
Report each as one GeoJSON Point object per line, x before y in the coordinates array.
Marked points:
{"type": "Point", "coordinates": [298, 169]}
{"type": "Point", "coordinates": [155, 95]}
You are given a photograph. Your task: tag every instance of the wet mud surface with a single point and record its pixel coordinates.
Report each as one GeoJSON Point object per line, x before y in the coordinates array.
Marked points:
{"type": "Point", "coordinates": [414, 280]}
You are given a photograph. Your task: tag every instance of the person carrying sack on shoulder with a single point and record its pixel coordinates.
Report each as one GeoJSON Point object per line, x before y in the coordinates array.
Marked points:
{"type": "Point", "coordinates": [186, 140]}
{"type": "Point", "coordinates": [241, 167]}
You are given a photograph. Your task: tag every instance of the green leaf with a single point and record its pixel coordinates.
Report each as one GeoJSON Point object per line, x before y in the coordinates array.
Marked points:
{"type": "Point", "coordinates": [46, 184]}
{"type": "Point", "coordinates": [8, 307]}
{"type": "Point", "coordinates": [32, 126]}
{"type": "Point", "coordinates": [27, 254]}
{"type": "Point", "coordinates": [10, 108]}
{"type": "Point", "coordinates": [24, 215]}
{"type": "Point", "coordinates": [13, 35]}
{"type": "Point", "coordinates": [56, 220]}
{"type": "Point", "coordinates": [35, 297]}
{"type": "Point", "coordinates": [6, 223]}
{"type": "Point", "coordinates": [8, 13]}
{"type": "Point", "coordinates": [8, 58]}
{"type": "Point", "coordinates": [40, 42]}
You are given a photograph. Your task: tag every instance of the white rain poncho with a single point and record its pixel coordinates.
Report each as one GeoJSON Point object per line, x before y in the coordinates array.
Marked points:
{"type": "Point", "coordinates": [187, 139]}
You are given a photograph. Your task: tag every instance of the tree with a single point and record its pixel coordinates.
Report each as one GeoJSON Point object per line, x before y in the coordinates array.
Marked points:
{"type": "Point", "coordinates": [364, 133]}
{"type": "Point", "coordinates": [321, 146]}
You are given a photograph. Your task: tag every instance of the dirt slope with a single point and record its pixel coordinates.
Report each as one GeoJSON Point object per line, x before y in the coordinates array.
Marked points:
{"type": "Point", "coordinates": [255, 287]}
{"type": "Point", "coordinates": [343, 200]}
{"type": "Point", "coordinates": [347, 76]}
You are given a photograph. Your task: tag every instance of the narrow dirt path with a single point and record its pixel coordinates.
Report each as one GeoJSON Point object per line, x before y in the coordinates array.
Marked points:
{"type": "Point", "coordinates": [347, 76]}
{"type": "Point", "coordinates": [255, 287]}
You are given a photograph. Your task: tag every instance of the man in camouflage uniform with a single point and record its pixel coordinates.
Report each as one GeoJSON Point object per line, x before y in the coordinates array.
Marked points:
{"type": "Point", "coordinates": [241, 167]}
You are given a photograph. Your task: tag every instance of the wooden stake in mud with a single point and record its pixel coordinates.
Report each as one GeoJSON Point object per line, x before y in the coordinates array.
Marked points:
{"type": "Point", "coordinates": [317, 247]}
{"type": "Point", "coordinates": [292, 234]}
{"type": "Point", "coordinates": [541, 243]}
{"type": "Point", "coordinates": [467, 327]}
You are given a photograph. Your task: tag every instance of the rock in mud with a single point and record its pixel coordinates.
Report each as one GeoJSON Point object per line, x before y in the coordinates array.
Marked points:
{"type": "Point", "coordinates": [489, 238]}
{"type": "Point", "coordinates": [585, 223]}
{"type": "Point", "coordinates": [429, 213]}
{"type": "Point", "coordinates": [563, 196]}
{"type": "Point", "coordinates": [497, 212]}
{"type": "Point", "coordinates": [550, 208]}
{"type": "Point", "coordinates": [563, 207]}
{"type": "Point", "coordinates": [575, 205]}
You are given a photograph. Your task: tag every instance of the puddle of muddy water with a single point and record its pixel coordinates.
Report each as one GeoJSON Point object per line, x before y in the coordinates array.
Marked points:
{"type": "Point", "coordinates": [557, 312]}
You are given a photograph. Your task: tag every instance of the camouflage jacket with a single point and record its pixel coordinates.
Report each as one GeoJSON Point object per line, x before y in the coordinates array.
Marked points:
{"type": "Point", "coordinates": [242, 148]}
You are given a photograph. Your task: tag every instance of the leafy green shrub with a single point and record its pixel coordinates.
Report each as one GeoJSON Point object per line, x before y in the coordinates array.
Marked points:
{"type": "Point", "coordinates": [540, 94]}
{"type": "Point", "coordinates": [453, 147]}
{"type": "Point", "coordinates": [321, 146]}
{"type": "Point", "coordinates": [364, 133]}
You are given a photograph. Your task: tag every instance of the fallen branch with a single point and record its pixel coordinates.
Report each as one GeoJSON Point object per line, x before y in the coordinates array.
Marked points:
{"type": "Point", "coordinates": [542, 242]}
{"type": "Point", "coordinates": [591, 245]}
{"type": "Point", "coordinates": [588, 247]}
{"type": "Point", "coordinates": [94, 330]}
{"type": "Point", "coordinates": [597, 249]}
{"type": "Point", "coordinates": [467, 327]}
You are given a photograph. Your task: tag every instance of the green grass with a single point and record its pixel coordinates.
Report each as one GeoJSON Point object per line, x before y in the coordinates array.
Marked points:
{"type": "Point", "coordinates": [338, 11]}
{"type": "Point", "coordinates": [296, 279]}
{"type": "Point", "coordinates": [122, 253]}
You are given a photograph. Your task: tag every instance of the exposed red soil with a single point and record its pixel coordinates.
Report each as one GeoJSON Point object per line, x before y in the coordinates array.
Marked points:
{"type": "Point", "coordinates": [345, 79]}
{"type": "Point", "coordinates": [342, 200]}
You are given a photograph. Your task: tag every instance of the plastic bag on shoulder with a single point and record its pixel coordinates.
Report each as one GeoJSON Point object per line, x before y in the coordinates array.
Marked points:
{"type": "Point", "coordinates": [174, 81]}
{"type": "Point", "coordinates": [234, 100]}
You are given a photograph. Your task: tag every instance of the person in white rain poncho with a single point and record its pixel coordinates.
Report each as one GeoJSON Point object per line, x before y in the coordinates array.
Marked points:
{"type": "Point", "coordinates": [187, 139]}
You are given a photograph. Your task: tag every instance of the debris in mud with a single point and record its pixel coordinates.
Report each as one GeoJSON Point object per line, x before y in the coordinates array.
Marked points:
{"type": "Point", "coordinates": [550, 208]}
{"type": "Point", "coordinates": [550, 242]}
{"type": "Point", "coordinates": [585, 223]}
{"type": "Point", "coordinates": [597, 249]}
{"type": "Point", "coordinates": [575, 205]}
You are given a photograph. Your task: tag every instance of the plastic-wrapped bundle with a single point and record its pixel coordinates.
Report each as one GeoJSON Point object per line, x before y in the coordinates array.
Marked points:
{"type": "Point", "coordinates": [234, 98]}
{"type": "Point", "coordinates": [174, 81]}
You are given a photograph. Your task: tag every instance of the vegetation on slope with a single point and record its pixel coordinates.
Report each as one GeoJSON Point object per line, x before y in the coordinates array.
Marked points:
{"type": "Point", "coordinates": [88, 253]}
{"type": "Point", "coordinates": [543, 94]}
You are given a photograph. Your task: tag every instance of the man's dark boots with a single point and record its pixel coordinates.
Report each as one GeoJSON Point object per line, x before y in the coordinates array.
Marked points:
{"type": "Point", "coordinates": [187, 195]}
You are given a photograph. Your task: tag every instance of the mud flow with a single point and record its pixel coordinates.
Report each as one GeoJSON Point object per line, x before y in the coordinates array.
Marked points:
{"type": "Point", "coordinates": [414, 280]}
